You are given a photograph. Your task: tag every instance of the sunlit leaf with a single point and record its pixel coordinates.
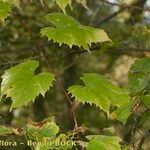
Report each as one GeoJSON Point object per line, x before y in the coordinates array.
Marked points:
{"type": "Point", "coordinates": [68, 31]}
{"type": "Point", "coordinates": [122, 113]}
{"type": "Point", "coordinates": [5, 7]}
{"type": "Point", "coordinates": [98, 90]}
{"type": "Point", "coordinates": [22, 85]}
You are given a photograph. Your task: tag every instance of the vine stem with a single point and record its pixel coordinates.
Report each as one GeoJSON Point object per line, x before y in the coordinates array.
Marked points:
{"type": "Point", "coordinates": [134, 125]}
{"type": "Point", "coordinates": [142, 140]}
{"type": "Point", "coordinates": [43, 53]}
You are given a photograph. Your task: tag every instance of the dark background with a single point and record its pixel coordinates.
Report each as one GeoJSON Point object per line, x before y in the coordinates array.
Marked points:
{"type": "Point", "coordinates": [127, 24]}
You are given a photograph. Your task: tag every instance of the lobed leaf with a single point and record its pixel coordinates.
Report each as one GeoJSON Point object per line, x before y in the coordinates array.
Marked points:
{"type": "Point", "coordinates": [102, 142]}
{"type": "Point", "coordinates": [68, 143]}
{"type": "Point", "coordinates": [100, 91]}
{"type": "Point", "coordinates": [64, 3]}
{"type": "Point", "coordinates": [122, 113]}
{"type": "Point", "coordinates": [46, 132]}
{"type": "Point", "coordinates": [68, 31]}
{"type": "Point", "coordinates": [22, 85]}
{"type": "Point", "coordinates": [139, 76]}
{"type": "Point", "coordinates": [46, 128]}
{"type": "Point", "coordinates": [5, 9]}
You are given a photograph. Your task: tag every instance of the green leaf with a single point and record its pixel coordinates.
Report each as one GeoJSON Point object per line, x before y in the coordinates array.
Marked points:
{"type": "Point", "coordinates": [122, 113]}
{"type": "Point", "coordinates": [102, 142]}
{"type": "Point", "coordinates": [5, 9]}
{"type": "Point", "coordinates": [22, 85]}
{"type": "Point", "coordinates": [46, 132]}
{"type": "Point", "coordinates": [141, 35]}
{"type": "Point", "coordinates": [100, 91]}
{"type": "Point", "coordinates": [145, 120]}
{"type": "Point", "coordinates": [68, 31]}
{"type": "Point", "coordinates": [40, 130]}
{"type": "Point", "coordinates": [139, 76]}
{"type": "Point", "coordinates": [96, 145]}
{"type": "Point", "coordinates": [146, 100]}
{"type": "Point", "coordinates": [56, 143]}
{"type": "Point", "coordinates": [6, 130]}
{"type": "Point", "coordinates": [64, 3]}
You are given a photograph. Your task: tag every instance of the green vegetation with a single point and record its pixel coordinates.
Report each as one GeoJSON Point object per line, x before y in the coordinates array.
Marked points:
{"type": "Point", "coordinates": [75, 74]}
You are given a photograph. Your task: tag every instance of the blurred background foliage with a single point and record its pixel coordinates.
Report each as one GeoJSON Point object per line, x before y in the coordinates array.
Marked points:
{"type": "Point", "coordinates": [127, 24]}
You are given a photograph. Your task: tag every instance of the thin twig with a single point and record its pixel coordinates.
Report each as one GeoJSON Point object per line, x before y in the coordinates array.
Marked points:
{"type": "Point", "coordinates": [110, 17]}
{"type": "Point", "coordinates": [131, 51]}
{"type": "Point", "coordinates": [93, 17]}
{"type": "Point", "coordinates": [19, 61]}
{"type": "Point", "coordinates": [59, 83]}
{"type": "Point", "coordinates": [124, 5]}
{"type": "Point", "coordinates": [122, 8]}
